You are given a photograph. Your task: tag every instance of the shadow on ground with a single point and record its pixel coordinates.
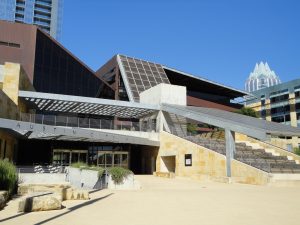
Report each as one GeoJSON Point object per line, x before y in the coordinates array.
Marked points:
{"type": "Point", "coordinates": [71, 209]}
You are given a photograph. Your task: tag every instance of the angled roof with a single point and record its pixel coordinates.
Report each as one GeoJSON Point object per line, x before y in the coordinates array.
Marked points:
{"type": "Point", "coordinates": [193, 82]}
{"type": "Point", "coordinates": [139, 75]}
{"type": "Point", "coordinates": [31, 40]}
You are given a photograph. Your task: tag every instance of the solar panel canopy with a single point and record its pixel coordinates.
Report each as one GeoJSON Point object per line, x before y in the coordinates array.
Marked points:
{"type": "Point", "coordinates": [141, 75]}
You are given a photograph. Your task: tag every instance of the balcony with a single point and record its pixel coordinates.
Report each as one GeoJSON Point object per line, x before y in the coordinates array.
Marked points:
{"type": "Point", "coordinates": [41, 23]}
{"type": "Point", "coordinates": [40, 16]}
{"type": "Point", "coordinates": [42, 10]}
{"type": "Point", "coordinates": [19, 20]}
{"type": "Point", "coordinates": [19, 17]}
{"type": "Point", "coordinates": [42, 3]}
{"type": "Point", "coordinates": [20, 4]}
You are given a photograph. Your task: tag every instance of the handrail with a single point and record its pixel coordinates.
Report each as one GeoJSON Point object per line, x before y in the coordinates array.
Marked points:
{"type": "Point", "coordinates": [72, 121]}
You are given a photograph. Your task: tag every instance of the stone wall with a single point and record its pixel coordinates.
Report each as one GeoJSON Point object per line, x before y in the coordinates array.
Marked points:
{"type": "Point", "coordinates": [12, 79]}
{"type": "Point", "coordinates": [7, 144]}
{"type": "Point", "coordinates": [206, 164]}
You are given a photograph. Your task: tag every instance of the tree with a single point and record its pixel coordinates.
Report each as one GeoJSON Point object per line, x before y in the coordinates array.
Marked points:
{"type": "Point", "coordinates": [247, 112]}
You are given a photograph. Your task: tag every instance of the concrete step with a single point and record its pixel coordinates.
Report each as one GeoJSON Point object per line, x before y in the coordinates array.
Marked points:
{"type": "Point", "coordinates": [285, 180]}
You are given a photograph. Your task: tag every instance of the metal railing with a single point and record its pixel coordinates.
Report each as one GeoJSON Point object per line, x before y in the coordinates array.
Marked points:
{"type": "Point", "coordinates": [69, 121]}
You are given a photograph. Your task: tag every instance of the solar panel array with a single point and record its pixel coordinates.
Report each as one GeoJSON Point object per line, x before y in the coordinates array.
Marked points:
{"type": "Point", "coordinates": [87, 108]}
{"type": "Point", "coordinates": [142, 75]}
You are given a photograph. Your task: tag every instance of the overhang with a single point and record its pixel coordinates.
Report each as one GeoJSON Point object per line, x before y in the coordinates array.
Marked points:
{"type": "Point", "coordinates": [196, 83]}
{"type": "Point", "coordinates": [46, 132]}
{"type": "Point", "coordinates": [85, 105]}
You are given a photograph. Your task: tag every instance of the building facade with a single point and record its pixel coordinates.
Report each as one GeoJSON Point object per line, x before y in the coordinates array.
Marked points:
{"type": "Point", "coordinates": [261, 77]}
{"type": "Point", "coordinates": [279, 103]}
{"type": "Point", "coordinates": [131, 113]}
{"type": "Point", "coordinates": [47, 14]}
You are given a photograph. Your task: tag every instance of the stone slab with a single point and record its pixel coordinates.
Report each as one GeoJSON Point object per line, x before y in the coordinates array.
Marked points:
{"type": "Point", "coordinates": [40, 202]}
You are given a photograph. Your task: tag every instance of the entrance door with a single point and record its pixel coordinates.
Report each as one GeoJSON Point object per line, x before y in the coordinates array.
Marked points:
{"type": "Point", "coordinates": [168, 164]}
{"type": "Point", "coordinates": [110, 159]}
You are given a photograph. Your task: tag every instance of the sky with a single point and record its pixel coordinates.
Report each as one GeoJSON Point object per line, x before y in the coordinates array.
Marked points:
{"type": "Point", "coordinates": [215, 39]}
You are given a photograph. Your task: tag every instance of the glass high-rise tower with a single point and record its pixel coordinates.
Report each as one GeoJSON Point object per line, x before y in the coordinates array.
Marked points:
{"type": "Point", "coordinates": [47, 14]}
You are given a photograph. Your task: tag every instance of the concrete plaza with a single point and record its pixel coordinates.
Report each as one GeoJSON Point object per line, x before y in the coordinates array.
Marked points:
{"type": "Point", "coordinates": [163, 201]}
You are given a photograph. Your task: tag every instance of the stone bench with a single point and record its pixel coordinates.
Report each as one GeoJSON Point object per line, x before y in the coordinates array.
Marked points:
{"type": "Point", "coordinates": [42, 201]}
{"type": "Point", "coordinates": [64, 190]}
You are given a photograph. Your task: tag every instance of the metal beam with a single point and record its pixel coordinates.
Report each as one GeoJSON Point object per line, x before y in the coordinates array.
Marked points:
{"type": "Point", "coordinates": [250, 126]}
{"type": "Point", "coordinates": [230, 149]}
{"type": "Point", "coordinates": [215, 121]}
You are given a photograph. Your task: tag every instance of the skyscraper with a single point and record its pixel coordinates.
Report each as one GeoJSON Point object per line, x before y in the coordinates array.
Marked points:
{"type": "Point", "coordinates": [47, 14]}
{"type": "Point", "coordinates": [261, 77]}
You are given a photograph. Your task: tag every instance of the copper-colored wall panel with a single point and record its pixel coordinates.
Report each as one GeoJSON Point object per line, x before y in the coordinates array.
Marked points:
{"type": "Point", "coordinates": [107, 66]}
{"type": "Point", "coordinates": [22, 34]}
{"type": "Point", "coordinates": [191, 101]}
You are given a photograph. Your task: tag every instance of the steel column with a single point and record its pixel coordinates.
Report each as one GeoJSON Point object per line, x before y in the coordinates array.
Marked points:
{"type": "Point", "coordinates": [230, 149]}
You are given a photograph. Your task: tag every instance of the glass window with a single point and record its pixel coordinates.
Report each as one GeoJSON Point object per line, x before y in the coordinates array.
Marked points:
{"type": "Point", "coordinates": [82, 157]}
{"type": "Point", "coordinates": [101, 159]}
{"type": "Point", "coordinates": [117, 159]}
{"type": "Point", "coordinates": [124, 162]}
{"type": "Point", "coordinates": [74, 157]}
{"type": "Point", "coordinates": [109, 159]}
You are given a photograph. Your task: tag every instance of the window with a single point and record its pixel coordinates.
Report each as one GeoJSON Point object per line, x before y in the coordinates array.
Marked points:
{"type": "Point", "coordinates": [9, 44]}
{"type": "Point", "coordinates": [289, 147]}
{"type": "Point", "coordinates": [188, 159]}
{"type": "Point", "coordinates": [279, 98]}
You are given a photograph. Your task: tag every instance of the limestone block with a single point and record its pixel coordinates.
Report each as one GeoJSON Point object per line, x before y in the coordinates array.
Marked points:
{"type": "Point", "coordinates": [4, 194]}
{"type": "Point", "coordinates": [76, 194]}
{"type": "Point", "coordinates": [3, 198]}
{"type": "Point", "coordinates": [32, 188]}
{"type": "Point", "coordinates": [2, 202]}
{"type": "Point", "coordinates": [40, 202]}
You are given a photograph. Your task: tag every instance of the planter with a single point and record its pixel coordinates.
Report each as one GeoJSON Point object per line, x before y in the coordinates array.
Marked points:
{"type": "Point", "coordinates": [129, 183]}
{"type": "Point", "coordinates": [85, 178]}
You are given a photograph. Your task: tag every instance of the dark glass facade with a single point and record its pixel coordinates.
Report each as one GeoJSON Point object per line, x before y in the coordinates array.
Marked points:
{"type": "Point", "coordinates": [57, 71]}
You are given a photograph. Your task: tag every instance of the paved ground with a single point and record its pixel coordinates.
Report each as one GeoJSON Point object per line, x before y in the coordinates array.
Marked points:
{"type": "Point", "coordinates": [173, 201]}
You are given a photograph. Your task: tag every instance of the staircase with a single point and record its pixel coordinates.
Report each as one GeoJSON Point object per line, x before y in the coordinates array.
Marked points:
{"type": "Point", "coordinates": [258, 158]}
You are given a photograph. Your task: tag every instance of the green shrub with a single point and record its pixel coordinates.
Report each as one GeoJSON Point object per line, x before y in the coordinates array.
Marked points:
{"type": "Point", "coordinates": [297, 151]}
{"type": "Point", "coordinates": [84, 166]}
{"type": "Point", "coordinates": [96, 168]}
{"type": "Point", "coordinates": [8, 176]}
{"type": "Point", "coordinates": [247, 112]}
{"type": "Point", "coordinates": [79, 165]}
{"type": "Point", "coordinates": [118, 174]}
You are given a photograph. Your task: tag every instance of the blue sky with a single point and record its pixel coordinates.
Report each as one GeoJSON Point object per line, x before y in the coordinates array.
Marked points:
{"type": "Point", "coordinates": [216, 39]}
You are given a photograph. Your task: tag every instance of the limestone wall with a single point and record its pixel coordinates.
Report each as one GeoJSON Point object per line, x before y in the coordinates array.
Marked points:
{"type": "Point", "coordinates": [205, 163]}
{"type": "Point", "coordinates": [282, 143]}
{"type": "Point", "coordinates": [7, 144]}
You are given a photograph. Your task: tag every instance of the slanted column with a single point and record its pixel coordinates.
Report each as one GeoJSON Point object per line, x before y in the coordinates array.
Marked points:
{"type": "Point", "coordinates": [230, 149]}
